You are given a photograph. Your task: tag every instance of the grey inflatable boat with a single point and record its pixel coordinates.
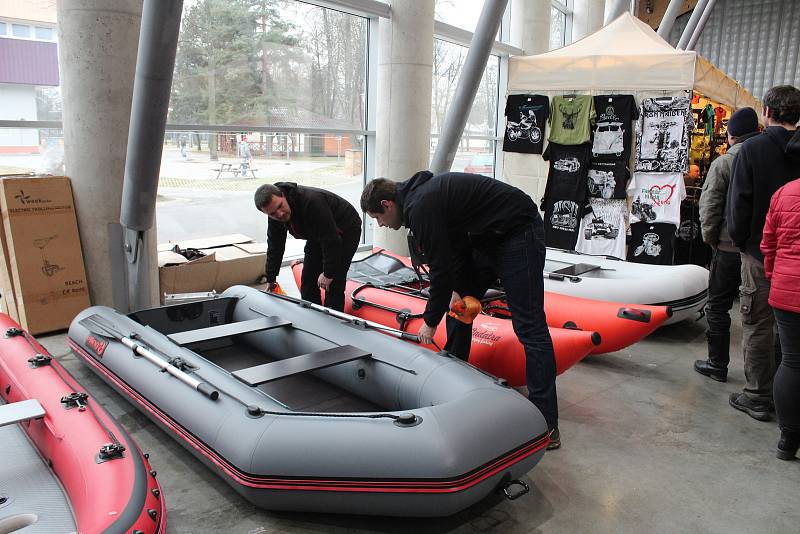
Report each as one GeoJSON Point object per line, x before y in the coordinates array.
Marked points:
{"type": "Point", "coordinates": [301, 408]}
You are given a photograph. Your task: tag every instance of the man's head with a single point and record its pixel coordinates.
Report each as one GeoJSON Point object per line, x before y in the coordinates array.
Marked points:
{"type": "Point", "coordinates": [782, 106]}
{"type": "Point", "coordinates": [270, 200]}
{"type": "Point", "coordinates": [379, 202]}
{"type": "Point", "coordinates": [742, 122]}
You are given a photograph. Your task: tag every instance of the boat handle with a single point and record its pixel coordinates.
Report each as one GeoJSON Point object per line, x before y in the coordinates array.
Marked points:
{"type": "Point", "coordinates": [513, 495]}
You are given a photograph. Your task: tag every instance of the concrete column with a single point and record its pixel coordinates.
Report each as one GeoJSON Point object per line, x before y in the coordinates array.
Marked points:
{"type": "Point", "coordinates": [405, 70]}
{"type": "Point", "coordinates": [97, 56]}
{"type": "Point", "coordinates": [530, 25]}
{"type": "Point", "coordinates": [615, 8]}
{"type": "Point", "coordinates": [587, 17]}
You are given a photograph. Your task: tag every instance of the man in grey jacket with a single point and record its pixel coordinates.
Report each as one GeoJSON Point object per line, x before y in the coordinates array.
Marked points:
{"type": "Point", "coordinates": [725, 276]}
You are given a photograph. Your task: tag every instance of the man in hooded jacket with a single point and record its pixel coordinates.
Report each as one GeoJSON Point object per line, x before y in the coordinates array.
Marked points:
{"type": "Point", "coordinates": [456, 217]}
{"type": "Point", "coordinates": [726, 264]}
{"type": "Point", "coordinates": [763, 165]}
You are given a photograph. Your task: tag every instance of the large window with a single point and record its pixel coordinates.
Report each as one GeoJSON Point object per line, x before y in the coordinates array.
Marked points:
{"type": "Point", "coordinates": [263, 91]}
{"type": "Point", "coordinates": [476, 149]}
{"type": "Point", "coordinates": [560, 23]}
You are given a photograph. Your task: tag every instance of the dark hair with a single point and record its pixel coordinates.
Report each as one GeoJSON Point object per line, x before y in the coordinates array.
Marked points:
{"type": "Point", "coordinates": [376, 191]}
{"type": "Point", "coordinates": [783, 102]}
{"type": "Point", "coordinates": [263, 195]}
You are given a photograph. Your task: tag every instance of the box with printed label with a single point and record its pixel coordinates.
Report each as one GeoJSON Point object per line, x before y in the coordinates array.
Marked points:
{"type": "Point", "coordinates": [42, 252]}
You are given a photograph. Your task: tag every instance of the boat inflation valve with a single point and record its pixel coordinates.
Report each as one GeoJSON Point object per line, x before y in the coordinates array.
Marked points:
{"type": "Point", "coordinates": [75, 399]}
{"type": "Point", "coordinates": [513, 494]}
{"type": "Point", "coordinates": [14, 332]}
{"type": "Point", "coordinates": [407, 419]}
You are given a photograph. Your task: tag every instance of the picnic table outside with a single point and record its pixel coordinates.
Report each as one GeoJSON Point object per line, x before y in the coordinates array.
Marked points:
{"type": "Point", "coordinates": [236, 169]}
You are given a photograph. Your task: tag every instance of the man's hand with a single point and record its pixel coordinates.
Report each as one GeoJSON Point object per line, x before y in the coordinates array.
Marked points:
{"type": "Point", "coordinates": [455, 297]}
{"type": "Point", "coordinates": [271, 286]}
{"type": "Point", "coordinates": [324, 282]}
{"type": "Point", "coordinates": [426, 334]}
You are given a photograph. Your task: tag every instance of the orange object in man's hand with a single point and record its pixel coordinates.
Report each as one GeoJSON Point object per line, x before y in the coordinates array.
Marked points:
{"type": "Point", "coordinates": [465, 310]}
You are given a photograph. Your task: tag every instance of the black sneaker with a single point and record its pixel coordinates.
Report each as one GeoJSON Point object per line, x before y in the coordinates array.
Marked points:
{"type": "Point", "coordinates": [787, 447]}
{"type": "Point", "coordinates": [555, 440]}
{"type": "Point", "coordinates": [711, 370]}
{"type": "Point", "coordinates": [755, 409]}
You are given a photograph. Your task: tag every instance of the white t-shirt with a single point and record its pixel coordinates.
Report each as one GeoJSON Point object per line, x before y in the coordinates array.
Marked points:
{"type": "Point", "coordinates": [656, 197]}
{"type": "Point", "coordinates": [603, 228]}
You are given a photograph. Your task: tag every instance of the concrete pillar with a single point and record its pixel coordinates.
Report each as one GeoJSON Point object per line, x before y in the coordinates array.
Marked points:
{"type": "Point", "coordinates": [530, 25]}
{"type": "Point", "coordinates": [615, 8]}
{"type": "Point", "coordinates": [587, 17]}
{"type": "Point", "coordinates": [405, 70]}
{"type": "Point", "coordinates": [97, 56]}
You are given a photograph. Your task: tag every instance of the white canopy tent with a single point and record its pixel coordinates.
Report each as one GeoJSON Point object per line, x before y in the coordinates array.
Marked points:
{"type": "Point", "coordinates": [625, 57]}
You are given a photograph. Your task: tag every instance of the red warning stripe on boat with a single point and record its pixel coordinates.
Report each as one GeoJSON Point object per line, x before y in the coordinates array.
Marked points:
{"type": "Point", "coordinates": [451, 485]}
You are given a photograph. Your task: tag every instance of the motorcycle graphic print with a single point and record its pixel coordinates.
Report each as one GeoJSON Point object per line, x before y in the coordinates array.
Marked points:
{"type": "Point", "coordinates": [649, 245]}
{"type": "Point", "coordinates": [565, 215]}
{"type": "Point", "coordinates": [526, 129]}
{"type": "Point", "coordinates": [601, 183]}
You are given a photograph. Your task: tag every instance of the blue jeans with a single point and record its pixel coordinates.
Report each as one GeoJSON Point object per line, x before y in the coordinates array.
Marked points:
{"type": "Point", "coordinates": [518, 261]}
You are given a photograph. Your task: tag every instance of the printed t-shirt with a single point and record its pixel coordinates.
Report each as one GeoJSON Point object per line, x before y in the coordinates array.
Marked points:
{"type": "Point", "coordinates": [656, 197]}
{"type": "Point", "coordinates": [651, 243]}
{"type": "Point", "coordinates": [613, 126]}
{"type": "Point", "coordinates": [526, 116]}
{"type": "Point", "coordinates": [569, 167]}
{"type": "Point", "coordinates": [561, 223]}
{"type": "Point", "coordinates": [607, 179]}
{"type": "Point", "coordinates": [570, 119]}
{"type": "Point", "coordinates": [662, 141]}
{"type": "Point", "coordinates": [603, 228]}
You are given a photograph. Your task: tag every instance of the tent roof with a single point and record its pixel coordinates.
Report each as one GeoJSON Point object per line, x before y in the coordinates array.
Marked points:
{"type": "Point", "coordinates": [626, 55]}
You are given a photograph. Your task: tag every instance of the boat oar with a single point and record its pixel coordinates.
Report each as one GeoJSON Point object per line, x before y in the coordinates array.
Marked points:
{"type": "Point", "coordinates": [349, 318]}
{"type": "Point", "coordinates": [96, 326]}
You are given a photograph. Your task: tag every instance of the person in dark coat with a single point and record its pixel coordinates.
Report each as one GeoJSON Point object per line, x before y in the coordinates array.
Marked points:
{"type": "Point", "coordinates": [329, 224]}
{"type": "Point", "coordinates": [455, 217]}
{"type": "Point", "coordinates": [764, 164]}
{"type": "Point", "coordinates": [780, 245]}
{"type": "Point", "coordinates": [726, 264]}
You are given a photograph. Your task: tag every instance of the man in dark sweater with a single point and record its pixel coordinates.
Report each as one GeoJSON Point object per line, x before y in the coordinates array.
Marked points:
{"type": "Point", "coordinates": [764, 164]}
{"type": "Point", "coordinates": [453, 216]}
{"type": "Point", "coordinates": [330, 226]}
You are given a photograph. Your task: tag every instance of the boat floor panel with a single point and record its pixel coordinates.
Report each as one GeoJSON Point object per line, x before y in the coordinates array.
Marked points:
{"type": "Point", "coordinates": [304, 393]}
{"type": "Point", "coordinates": [28, 486]}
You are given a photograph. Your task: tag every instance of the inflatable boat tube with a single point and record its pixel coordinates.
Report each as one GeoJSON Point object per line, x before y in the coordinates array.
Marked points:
{"type": "Point", "coordinates": [683, 288]}
{"type": "Point", "coordinates": [495, 347]}
{"type": "Point", "coordinates": [619, 325]}
{"type": "Point", "coordinates": [301, 410]}
{"type": "Point", "coordinates": [74, 469]}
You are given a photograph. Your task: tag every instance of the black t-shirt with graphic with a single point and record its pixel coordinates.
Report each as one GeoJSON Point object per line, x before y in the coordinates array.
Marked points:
{"type": "Point", "coordinates": [611, 136]}
{"type": "Point", "coordinates": [689, 245]}
{"type": "Point", "coordinates": [526, 116]}
{"type": "Point", "coordinates": [562, 221]}
{"type": "Point", "coordinates": [651, 243]}
{"type": "Point", "coordinates": [569, 167]}
{"type": "Point", "coordinates": [607, 179]}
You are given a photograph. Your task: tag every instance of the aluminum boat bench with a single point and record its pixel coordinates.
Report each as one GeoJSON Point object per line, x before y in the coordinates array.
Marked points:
{"type": "Point", "coordinates": [268, 372]}
{"type": "Point", "coordinates": [227, 330]}
{"type": "Point", "coordinates": [16, 412]}
{"type": "Point", "coordinates": [571, 271]}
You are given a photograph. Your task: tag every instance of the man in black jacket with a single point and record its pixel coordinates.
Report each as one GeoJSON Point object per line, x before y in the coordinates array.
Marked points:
{"type": "Point", "coordinates": [453, 216]}
{"type": "Point", "coordinates": [331, 226]}
{"type": "Point", "coordinates": [764, 164]}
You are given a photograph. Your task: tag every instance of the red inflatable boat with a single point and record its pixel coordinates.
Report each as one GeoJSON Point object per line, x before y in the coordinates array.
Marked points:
{"type": "Point", "coordinates": [82, 456]}
{"type": "Point", "coordinates": [495, 347]}
{"type": "Point", "coordinates": [619, 325]}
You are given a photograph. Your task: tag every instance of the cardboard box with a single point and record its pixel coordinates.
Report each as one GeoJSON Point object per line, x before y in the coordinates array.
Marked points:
{"type": "Point", "coordinates": [42, 251]}
{"type": "Point", "coordinates": [230, 260]}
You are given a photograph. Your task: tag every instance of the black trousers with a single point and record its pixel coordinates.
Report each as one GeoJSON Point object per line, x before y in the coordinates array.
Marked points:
{"type": "Point", "coordinates": [724, 279]}
{"type": "Point", "coordinates": [786, 387]}
{"type": "Point", "coordinates": [519, 262]}
{"type": "Point", "coordinates": [312, 268]}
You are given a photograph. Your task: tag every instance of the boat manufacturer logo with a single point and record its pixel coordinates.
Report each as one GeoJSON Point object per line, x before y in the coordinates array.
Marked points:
{"type": "Point", "coordinates": [97, 345]}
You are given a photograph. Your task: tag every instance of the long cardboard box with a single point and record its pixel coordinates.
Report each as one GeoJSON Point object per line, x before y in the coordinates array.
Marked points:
{"type": "Point", "coordinates": [42, 250]}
